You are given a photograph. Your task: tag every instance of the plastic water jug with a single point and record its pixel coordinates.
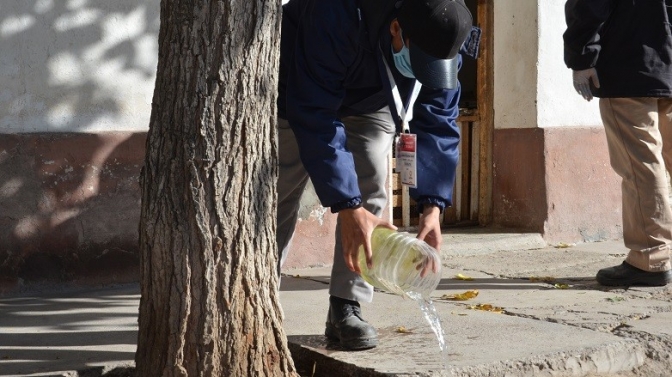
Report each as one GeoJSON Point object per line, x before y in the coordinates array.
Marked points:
{"type": "Point", "coordinates": [398, 263]}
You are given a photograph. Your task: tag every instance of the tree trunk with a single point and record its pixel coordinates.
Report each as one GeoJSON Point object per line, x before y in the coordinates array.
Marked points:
{"type": "Point", "coordinates": [210, 303]}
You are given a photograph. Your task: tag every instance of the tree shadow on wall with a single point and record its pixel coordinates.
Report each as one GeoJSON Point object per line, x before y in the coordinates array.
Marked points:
{"type": "Point", "coordinates": [76, 80]}
{"type": "Point", "coordinates": [71, 65]}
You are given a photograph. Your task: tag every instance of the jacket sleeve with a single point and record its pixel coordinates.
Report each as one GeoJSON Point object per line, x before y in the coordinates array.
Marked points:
{"type": "Point", "coordinates": [585, 19]}
{"type": "Point", "coordinates": [325, 48]}
{"type": "Point", "coordinates": [434, 122]}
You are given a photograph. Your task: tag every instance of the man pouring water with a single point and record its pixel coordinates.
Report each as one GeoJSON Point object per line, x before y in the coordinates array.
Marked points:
{"type": "Point", "coordinates": [354, 73]}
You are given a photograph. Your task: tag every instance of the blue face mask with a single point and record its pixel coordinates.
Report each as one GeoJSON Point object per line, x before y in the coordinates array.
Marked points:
{"type": "Point", "coordinates": [402, 60]}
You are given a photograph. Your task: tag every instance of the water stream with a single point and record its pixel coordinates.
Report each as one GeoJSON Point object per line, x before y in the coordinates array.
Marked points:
{"type": "Point", "coordinates": [429, 311]}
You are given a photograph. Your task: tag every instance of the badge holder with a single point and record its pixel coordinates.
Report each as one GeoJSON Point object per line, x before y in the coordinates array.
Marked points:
{"type": "Point", "coordinates": [407, 159]}
{"type": "Point", "coordinates": [405, 144]}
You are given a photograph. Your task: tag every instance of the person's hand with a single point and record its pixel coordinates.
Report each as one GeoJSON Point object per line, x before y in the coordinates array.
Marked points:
{"type": "Point", "coordinates": [582, 79]}
{"type": "Point", "coordinates": [356, 228]}
{"type": "Point", "coordinates": [429, 230]}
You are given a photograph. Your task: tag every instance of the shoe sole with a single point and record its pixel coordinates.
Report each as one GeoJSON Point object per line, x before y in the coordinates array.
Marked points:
{"type": "Point", "coordinates": [352, 344]}
{"type": "Point", "coordinates": [634, 283]}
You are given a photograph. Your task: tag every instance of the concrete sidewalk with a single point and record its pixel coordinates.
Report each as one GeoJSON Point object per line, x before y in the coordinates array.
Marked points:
{"type": "Point", "coordinates": [555, 320]}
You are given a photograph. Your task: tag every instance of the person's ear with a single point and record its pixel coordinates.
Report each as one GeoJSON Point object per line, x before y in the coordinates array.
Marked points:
{"type": "Point", "coordinates": [395, 28]}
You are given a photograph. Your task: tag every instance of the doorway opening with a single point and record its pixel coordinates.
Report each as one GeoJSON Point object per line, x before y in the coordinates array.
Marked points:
{"type": "Point", "coordinates": [472, 195]}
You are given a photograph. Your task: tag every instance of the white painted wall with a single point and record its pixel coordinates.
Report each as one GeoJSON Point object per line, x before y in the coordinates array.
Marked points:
{"type": "Point", "coordinates": [533, 87]}
{"type": "Point", "coordinates": [558, 103]}
{"type": "Point", "coordinates": [515, 43]}
{"type": "Point", "coordinates": [77, 65]}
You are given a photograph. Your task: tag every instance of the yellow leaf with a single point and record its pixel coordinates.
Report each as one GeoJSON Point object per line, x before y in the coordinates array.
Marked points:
{"type": "Point", "coordinates": [463, 277]}
{"type": "Point", "coordinates": [561, 286]}
{"type": "Point", "coordinates": [564, 245]}
{"type": "Point", "coordinates": [487, 308]}
{"type": "Point", "coordinates": [403, 330]}
{"type": "Point", "coordinates": [545, 279]}
{"type": "Point", "coordinates": [461, 296]}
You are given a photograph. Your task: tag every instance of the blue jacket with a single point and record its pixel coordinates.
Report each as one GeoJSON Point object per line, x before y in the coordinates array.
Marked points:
{"type": "Point", "coordinates": [629, 43]}
{"type": "Point", "coordinates": [329, 69]}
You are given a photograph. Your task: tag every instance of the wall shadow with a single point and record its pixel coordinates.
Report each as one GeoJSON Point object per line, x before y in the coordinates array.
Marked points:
{"type": "Point", "coordinates": [76, 79]}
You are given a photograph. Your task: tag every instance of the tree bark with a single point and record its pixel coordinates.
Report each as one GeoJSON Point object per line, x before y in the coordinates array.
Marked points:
{"type": "Point", "coordinates": [210, 303]}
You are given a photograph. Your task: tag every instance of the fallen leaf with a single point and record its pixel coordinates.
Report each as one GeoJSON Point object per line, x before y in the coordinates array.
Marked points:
{"type": "Point", "coordinates": [615, 299]}
{"type": "Point", "coordinates": [561, 286]}
{"type": "Point", "coordinates": [487, 308]}
{"type": "Point", "coordinates": [545, 279]}
{"type": "Point", "coordinates": [463, 277]}
{"type": "Point", "coordinates": [403, 330]}
{"type": "Point", "coordinates": [564, 245]}
{"type": "Point", "coordinates": [461, 296]}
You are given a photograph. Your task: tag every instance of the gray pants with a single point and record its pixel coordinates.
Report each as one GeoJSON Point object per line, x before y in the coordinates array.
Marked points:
{"type": "Point", "coordinates": [369, 139]}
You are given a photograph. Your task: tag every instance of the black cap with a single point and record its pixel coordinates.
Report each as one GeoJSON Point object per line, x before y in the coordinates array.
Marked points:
{"type": "Point", "coordinates": [437, 29]}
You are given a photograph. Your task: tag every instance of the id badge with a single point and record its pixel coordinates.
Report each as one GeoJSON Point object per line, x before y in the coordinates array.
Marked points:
{"type": "Point", "coordinates": [406, 159]}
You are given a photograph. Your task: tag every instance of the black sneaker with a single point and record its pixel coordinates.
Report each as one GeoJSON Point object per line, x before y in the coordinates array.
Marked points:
{"type": "Point", "coordinates": [346, 325]}
{"type": "Point", "coordinates": [626, 275]}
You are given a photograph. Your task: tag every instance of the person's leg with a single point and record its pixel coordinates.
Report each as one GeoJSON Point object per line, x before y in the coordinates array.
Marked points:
{"type": "Point", "coordinates": [292, 179]}
{"type": "Point", "coordinates": [369, 138]}
{"type": "Point", "coordinates": [632, 126]}
{"type": "Point", "coordinates": [665, 126]}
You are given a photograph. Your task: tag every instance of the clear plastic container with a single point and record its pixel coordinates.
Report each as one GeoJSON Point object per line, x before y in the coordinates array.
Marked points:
{"type": "Point", "coordinates": [398, 263]}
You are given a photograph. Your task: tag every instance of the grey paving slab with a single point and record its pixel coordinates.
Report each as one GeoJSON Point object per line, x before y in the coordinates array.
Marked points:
{"type": "Point", "coordinates": [480, 241]}
{"type": "Point", "coordinates": [580, 304]}
{"type": "Point", "coordinates": [584, 330]}
{"type": "Point", "coordinates": [480, 343]}
{"type": "Point", "coordinates": [580, 262]}
{"type": "Point", "coordinates": [59, 332]}
{"type": "Point", "coordinates": [655, 324]}
{"type": "Point", "coordinates": [304, 303]}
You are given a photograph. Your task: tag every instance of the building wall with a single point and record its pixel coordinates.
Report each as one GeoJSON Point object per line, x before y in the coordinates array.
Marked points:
{"type": "Point", "coordinates": [567, 190]}
{"type": "Point", "coordinates": [69, 207]}
{"type": "Point", "coordinates": [76, 83]}
{"type": "Point", "coordinates": [515, 44]}
{"type": "Point", "coordinates": [76, 86]}
{"type": "Point", "coordinates": [77, 65]}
